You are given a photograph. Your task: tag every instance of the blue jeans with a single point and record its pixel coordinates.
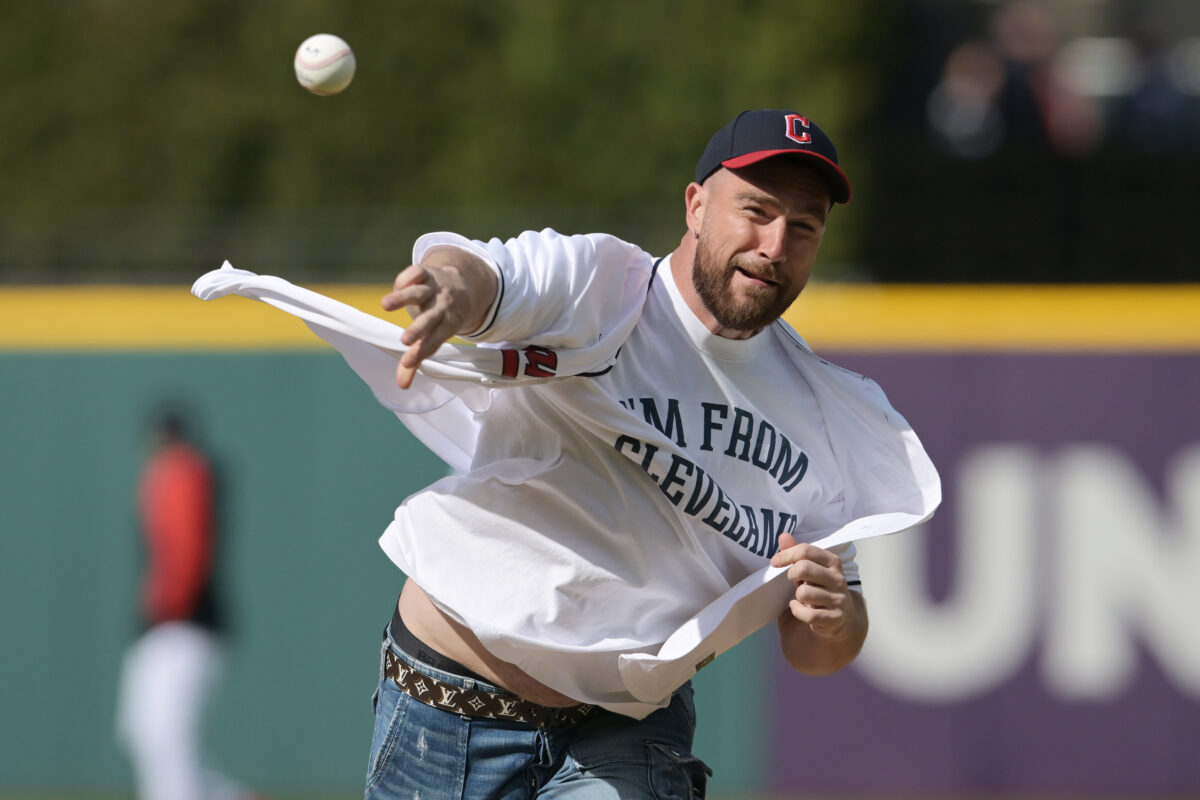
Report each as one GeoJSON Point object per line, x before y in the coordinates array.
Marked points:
{"type": "Point", "coordinates": [421, 751]}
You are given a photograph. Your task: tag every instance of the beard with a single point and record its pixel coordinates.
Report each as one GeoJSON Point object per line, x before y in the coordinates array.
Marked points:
{"type": "Point", "coordinates": [749, 310]}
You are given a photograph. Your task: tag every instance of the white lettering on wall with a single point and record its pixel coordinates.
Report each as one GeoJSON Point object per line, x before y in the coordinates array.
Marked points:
{"type": "Point", "coordinates": [972, 640]}
{"type": "Point", "coordinates": [1130, 568]}
{"type": "Point", "coordinates": [1074, 550]}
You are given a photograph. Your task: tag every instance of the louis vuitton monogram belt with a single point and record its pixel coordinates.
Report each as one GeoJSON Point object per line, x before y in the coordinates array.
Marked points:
{"type": "Point", "coordinates": [477, 702]}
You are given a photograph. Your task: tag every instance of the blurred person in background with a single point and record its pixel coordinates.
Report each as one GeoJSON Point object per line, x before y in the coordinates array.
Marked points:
{"type": "Point", "coordinates": [1007, 89]}
{"type": "Point", "coordinates": [170, 669]}
{"type": "Point", "coordinates": [1157, 117]}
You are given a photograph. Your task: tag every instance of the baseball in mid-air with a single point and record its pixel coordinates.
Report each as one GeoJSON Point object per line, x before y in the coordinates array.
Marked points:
{"type": "Point", "coordinates": [324, 64]}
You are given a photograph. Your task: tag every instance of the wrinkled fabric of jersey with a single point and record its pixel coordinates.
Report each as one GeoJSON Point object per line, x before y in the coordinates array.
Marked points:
{"type": "Point", "coordinates": [620, 472]}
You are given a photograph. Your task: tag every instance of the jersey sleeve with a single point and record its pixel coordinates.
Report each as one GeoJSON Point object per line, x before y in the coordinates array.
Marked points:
{"type": "Point", "coordinates": [555, 290]}
{"type": "Point", "coordinates": [848, 553]}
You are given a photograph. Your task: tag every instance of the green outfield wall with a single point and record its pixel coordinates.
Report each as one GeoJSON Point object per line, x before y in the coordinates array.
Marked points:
{"type": "Point", "coordinates": [312, 469]}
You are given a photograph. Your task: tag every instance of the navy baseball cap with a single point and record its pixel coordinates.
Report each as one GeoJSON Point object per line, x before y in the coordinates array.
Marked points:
{"type": "Point", "coordinates": [756, 135]}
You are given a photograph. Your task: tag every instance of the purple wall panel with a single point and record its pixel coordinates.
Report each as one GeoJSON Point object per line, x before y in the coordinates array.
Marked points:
{"type": "Point", "coordinates": [849, 734]}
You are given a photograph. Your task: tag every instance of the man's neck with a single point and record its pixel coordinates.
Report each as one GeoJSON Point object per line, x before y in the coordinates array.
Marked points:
{"type": "Point", "coordinates": [682, 261]}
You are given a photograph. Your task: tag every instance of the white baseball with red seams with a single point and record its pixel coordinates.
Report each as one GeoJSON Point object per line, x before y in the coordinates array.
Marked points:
{"type": "Point", "coordinates": [324, 64]}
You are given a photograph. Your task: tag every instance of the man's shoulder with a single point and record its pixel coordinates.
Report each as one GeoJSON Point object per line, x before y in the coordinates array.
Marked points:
{"type": "Point", "coordinates": [789, 336]}
{"type": "Point", "coordinates": [806, 358]}
{"type": "Point", "coordinates": [598, 244]}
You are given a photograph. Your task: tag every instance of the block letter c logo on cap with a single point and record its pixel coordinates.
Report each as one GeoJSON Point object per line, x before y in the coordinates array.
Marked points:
{"type": "Point", "coordinates": [797, 129]}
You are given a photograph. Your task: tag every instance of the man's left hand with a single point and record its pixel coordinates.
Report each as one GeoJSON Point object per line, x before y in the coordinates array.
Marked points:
{"type": "Point", "coordinates": [822, 599]}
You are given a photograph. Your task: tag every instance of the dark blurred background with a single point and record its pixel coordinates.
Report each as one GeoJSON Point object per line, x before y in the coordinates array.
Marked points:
{"type": "Point", "coordinates": [1049, 141]}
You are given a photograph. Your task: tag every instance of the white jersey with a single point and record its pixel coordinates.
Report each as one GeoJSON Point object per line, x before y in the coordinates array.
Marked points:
{"type": "Point", "coordinates": [626, 469]}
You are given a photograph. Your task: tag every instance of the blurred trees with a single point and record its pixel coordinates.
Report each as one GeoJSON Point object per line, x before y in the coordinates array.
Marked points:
{"type": "Point", "coordinates": [145, 141]}
{"type": "Point", "coordinates": [148, 141]}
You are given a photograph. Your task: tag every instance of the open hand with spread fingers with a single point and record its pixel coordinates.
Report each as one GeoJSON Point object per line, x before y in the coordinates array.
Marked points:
{"type": "Point", "coordinates": [447, 294]}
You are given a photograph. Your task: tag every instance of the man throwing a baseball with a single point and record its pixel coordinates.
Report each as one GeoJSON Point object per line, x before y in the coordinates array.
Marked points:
{"type": "Point", "coordinates": [598, 512]}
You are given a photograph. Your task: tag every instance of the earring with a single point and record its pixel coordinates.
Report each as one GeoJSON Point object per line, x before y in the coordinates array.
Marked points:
{"type": "Point", "coordinates": [694, 234]}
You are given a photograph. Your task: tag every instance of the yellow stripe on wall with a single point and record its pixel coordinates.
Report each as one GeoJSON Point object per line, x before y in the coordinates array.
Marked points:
{"type": "Point", "coordinates": [118, 318]}
{"type": "Point", "coordinates": [1044, 318]}
{"type": "Point", "coordinates": [829, 316]}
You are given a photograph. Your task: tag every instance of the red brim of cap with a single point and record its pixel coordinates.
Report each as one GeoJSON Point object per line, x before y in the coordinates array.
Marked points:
{"type": "Point", "coordinates": [839, 184]}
